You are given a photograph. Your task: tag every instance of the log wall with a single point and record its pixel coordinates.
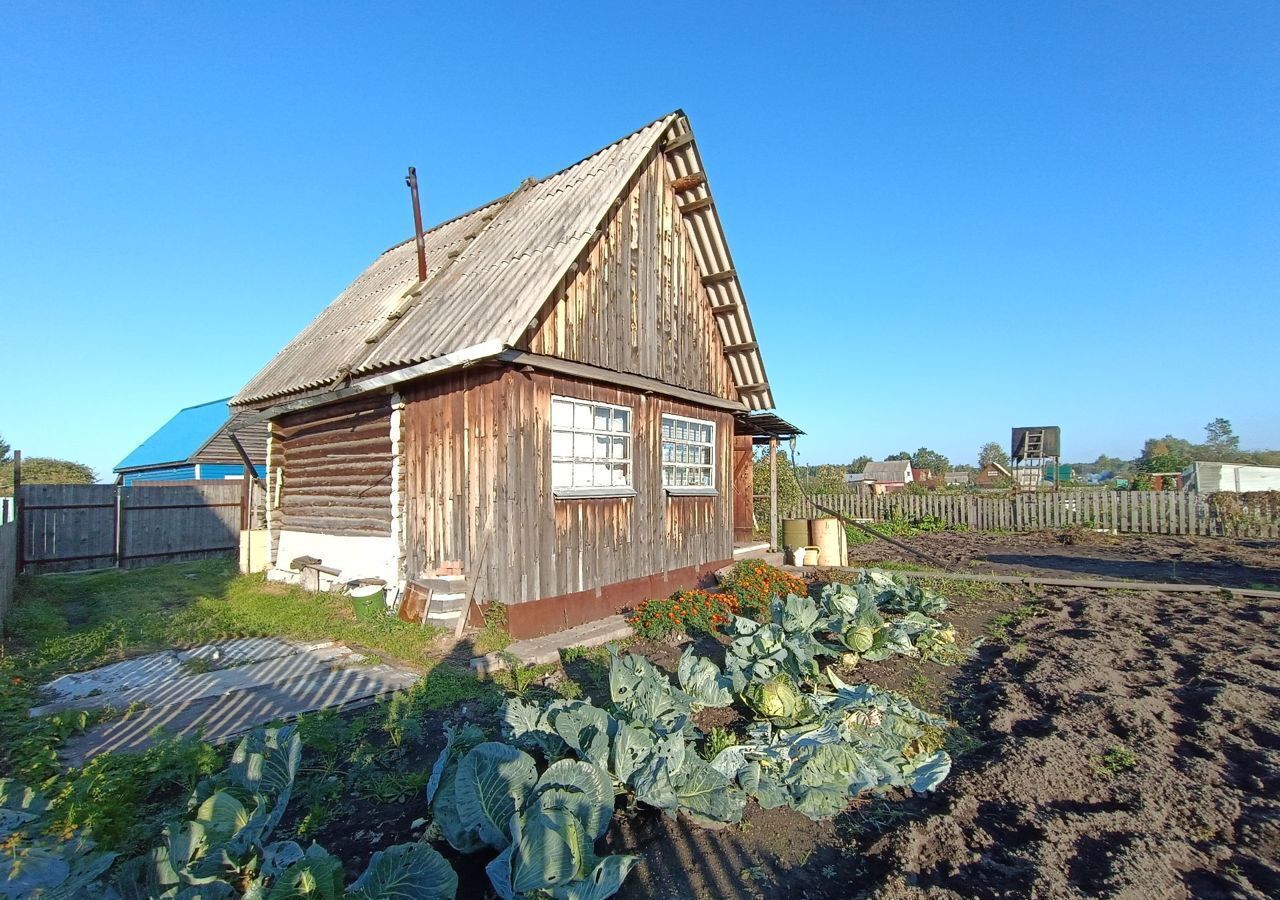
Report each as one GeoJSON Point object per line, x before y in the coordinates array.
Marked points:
{"type": "Point", "coordinates": [337, 469]}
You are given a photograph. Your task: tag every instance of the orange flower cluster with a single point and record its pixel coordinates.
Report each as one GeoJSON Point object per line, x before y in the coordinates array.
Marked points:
{"type": "Point", "coordinates": [684, 611]}
{"type": "Point", "coordinates": [754, 583]}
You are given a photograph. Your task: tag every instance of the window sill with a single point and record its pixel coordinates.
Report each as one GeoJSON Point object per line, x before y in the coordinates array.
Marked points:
{"type": "Point", "coordinates": [591, 493]}
{"type": "Point", "coordinates": [676, 490]}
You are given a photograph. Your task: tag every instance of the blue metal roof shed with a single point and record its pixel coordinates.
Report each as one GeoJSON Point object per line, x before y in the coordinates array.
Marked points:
{"type": "Point", "coordinates": [193, 445]}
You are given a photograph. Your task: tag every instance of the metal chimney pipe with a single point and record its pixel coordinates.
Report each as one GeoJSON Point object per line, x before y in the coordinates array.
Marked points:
{"type": "Point", "coordinates": [412, 180]}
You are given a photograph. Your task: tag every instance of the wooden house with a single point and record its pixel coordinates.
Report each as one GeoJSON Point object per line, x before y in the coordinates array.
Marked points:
{"type": "Point", "coordinates": [888, 476]}
{"type": "Point", "coordinates": [993, 474]}
{"type": "Point", "coordinates": [563, 409]}
{"type": "Point", "coordinates": [196, 444]}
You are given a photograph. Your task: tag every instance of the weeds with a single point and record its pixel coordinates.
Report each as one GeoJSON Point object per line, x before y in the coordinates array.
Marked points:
{"type": "Point", "coordinates": [717, 739]}
{"type": "Point", "coordinates": [116, 798]}
{"type": "Point", "coordinates": [494, 636]}
{"type": "Point", "coordinates": [517, 677]}
{"type": "Point", "coordinates": [1117, 760]}
{"type": "Point", "coordinates": [1000, 625]}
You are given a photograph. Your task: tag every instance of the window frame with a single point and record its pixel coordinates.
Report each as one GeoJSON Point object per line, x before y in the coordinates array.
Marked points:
{"type": "Point", "coordinates": [688, 490]}
{"type": "Point", "coordinates": [592, 491]}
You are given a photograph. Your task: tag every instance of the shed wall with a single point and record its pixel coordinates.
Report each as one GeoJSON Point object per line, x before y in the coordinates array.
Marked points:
{"type": "Point", "coordinates": [337, 468]}
{"type": "Point", "coordinates": [637, 303]}
{"type": "Point", "coordinates": [478, 489]}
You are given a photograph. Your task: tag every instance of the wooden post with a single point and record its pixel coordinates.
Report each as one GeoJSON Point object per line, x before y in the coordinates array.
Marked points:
{"type": "Point", "coordinates": [773, 494]}
{"type": "Point", "coordinates": [17, 505]}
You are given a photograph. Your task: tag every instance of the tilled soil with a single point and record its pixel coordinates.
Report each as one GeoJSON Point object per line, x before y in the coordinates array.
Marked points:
{"type": "Point", "coordinates": [1188, 684]}
{"type": "Point", "coordinates": [1042, 800]}
{"type": "Point", "coordinates": [1080, 553]}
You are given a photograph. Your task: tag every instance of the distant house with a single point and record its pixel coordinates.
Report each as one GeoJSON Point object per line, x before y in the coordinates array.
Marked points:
{"type": "Point", "coordinates": [853, 477]}
{"type": "Point", "coordinates": [960, 479]}
{"type": "Point", "coordinates": [890, 475]}
{"type": "Point", "coordinates": [195, 444]}
{"type": "Point", "coordinates": [991, 475]}
{"type": "Point", "coordinates": [1240, 478]}
{"type": "Point", "coordinates": [553, 407]}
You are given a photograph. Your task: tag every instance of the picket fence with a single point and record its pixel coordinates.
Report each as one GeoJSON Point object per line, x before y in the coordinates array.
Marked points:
{"type": "Point", "coordinates": [1143, 512]}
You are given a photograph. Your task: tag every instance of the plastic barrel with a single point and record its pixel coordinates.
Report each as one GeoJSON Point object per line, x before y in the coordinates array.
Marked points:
{"type": "Point", "coordinates": [826, 537]}
{"type": "Point", "coordinates": [369, 601]}
{"type": "Point", "coordinates": [795, 533]}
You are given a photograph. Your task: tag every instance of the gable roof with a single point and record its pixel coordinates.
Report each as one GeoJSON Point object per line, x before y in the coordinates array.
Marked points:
{"type": "Point", "coordinates": [490, 272]}
{"type": "Point", "coordinates": [196, 434]}
{"type": "Point", "coordinates": [252, 437]}
{"type": "Point", "coordinates": [890, 471]}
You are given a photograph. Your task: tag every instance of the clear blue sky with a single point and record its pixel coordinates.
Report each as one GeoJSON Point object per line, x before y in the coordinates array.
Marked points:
{"type": "Point", "coordinates": [949, 218]}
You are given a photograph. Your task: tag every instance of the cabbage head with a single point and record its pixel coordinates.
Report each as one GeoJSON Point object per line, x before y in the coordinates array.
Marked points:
{"type": "Point", "coordinates": [778, 700]}
{"type": "Point", "coordinates": [859, 639]}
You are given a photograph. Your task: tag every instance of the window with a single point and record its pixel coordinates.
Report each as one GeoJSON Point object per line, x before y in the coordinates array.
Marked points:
{"type": "Point", "coordinates": [688, 455]}
{"type": "Point", "coordinates": [590, 449]}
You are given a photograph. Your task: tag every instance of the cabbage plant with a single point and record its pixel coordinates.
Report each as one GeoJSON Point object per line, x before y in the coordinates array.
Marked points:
{"type": "Point", "coordinates": [544, 827]}
{"type": "Point", "coordinates": [856, 614]}
{"type": "Point", "coordinates": [34, 864]}
{"type": "Point", "coordinates": [786, 644]}
{"type": "Point", "coordinates": [223, 850]}
{"type": "Point", "coordinates": [778, 700]}
{"type": "Point", "coordinates": [645, 743]}
{"type": "Point", "coordinates": [864, 739]}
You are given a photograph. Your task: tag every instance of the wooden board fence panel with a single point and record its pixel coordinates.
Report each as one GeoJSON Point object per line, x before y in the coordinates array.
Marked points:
{"type": "Point", "coordinates": [67, 527]}
{"type": "Point", "coordinates": [8, 567]}
{"type": "Point", "coordinates": [74, 527]}
{"type": "Point", "coordinates": [180, 522]}
{"type": "Point", "coordinates": [1139, 512]}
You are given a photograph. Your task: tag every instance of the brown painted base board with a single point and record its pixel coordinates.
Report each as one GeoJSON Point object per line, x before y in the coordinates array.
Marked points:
{"type": "Point", "coordinates": [551, 614]}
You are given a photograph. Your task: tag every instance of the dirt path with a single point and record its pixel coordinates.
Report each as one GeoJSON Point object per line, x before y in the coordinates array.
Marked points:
{"type": "Point", "coordinates": [1144, 557]}
{"type": "Point", "coordinates": [1189, 685]}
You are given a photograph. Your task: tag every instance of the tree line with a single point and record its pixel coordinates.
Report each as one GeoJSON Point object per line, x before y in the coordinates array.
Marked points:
{"type": "Point", "coordinates": [41, 470]}
{"type": "Point", "coordinates": [1158, 455]}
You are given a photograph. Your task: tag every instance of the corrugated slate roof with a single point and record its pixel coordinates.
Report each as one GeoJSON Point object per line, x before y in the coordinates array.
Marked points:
{"type": "Point", "coordinates": [892, 471]}
{"type": "Point", "coordinates": [180, 437]}
{"type": "Point", "coordinates": [490, 271]}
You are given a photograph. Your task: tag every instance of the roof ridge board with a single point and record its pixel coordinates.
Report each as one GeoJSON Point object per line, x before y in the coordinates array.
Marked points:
{"type": "Point", "coordinates": [675, 113]}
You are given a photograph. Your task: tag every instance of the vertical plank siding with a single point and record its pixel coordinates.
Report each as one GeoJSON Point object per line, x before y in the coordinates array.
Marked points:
{"type": "Point", "coordinates": [636, 303]}
{"type": "Point", "coordinates": [336, 462]}
{"type": "Point", "coordinates": [478, 489]}
{"type": "Point", "coordinates": [1142, 512]}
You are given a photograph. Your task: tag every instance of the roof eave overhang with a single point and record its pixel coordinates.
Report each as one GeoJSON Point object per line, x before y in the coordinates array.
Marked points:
{"type": "Point", "coordinates": [715, 262]}
{"type": "Point", "coordinates": [372, 383]}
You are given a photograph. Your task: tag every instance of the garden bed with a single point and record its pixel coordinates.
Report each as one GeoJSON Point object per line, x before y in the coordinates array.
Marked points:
{"type": "Point", "coordinates": [1077, 552]}
{"type": "Point", "coordinates": [1103, 743]}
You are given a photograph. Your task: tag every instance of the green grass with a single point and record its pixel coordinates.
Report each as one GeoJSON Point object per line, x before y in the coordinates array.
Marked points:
{"type": "Point", "coordinates": [62, 623]}
{"type": "Point", "coordinates": [67, 622]}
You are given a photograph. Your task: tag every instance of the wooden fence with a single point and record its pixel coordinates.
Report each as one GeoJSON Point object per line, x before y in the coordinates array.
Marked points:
{"type": "Point", "coordinates": [8, 567]}
{"type": "Point", "coordinates": [1146, 512]}
{"type": "Point", "coordinates": [69, 527]}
